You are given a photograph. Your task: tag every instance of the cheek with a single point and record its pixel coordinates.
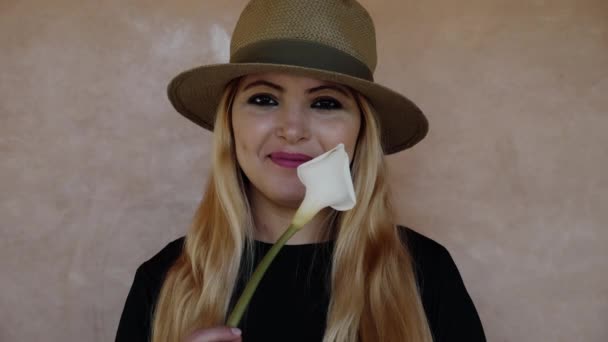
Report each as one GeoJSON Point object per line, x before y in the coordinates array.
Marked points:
{"type": "Point", "coordinates": [249, 132]}
{"type": "Point", "coordinates": [239, 137]}
{"type": "Point", "coordinates": [342, 132]}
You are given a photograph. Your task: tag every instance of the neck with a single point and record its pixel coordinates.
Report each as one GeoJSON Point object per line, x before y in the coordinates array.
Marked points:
{"type": "Point", "coordinates": [272, 219]}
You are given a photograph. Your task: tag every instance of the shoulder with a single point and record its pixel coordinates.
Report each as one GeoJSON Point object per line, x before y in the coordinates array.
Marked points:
{"type": "Point", "coordinates": [423, 249]}
{"type": "Point", "coordinates": [432, 262]}
{"type": "Point", "coordinates": [434, 268]}
{"type": "Point", "coordinates": [135, 320]}
{"type": "Point", "coordinates": [158, 265]}
{"type": "Point", "coordinates": [450, 310]}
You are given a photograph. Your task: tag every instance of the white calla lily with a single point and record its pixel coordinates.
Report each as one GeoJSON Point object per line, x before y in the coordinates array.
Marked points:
{"type": "Point", "coordinates": [328, 183]}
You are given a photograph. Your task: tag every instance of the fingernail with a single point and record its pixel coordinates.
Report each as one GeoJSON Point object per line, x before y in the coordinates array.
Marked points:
{"type": "Point", "coordinates": [236, 331]}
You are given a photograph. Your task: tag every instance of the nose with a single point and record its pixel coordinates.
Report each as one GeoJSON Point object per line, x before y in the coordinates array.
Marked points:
{"type": "Point", "coordinates": [293, 124]}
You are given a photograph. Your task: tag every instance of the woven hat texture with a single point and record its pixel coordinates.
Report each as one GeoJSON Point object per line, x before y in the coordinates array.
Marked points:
{"type": "Point", "coordinates": [331, 40]}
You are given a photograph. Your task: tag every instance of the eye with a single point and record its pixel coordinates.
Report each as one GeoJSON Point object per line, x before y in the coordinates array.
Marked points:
{"type": "Point", "coordinates": [327, 103]}
{"type": "Point", "coordinates": [262, 100]}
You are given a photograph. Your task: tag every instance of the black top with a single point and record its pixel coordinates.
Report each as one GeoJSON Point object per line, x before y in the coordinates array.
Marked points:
{"type": "Point", "coordinates": [291, 302]}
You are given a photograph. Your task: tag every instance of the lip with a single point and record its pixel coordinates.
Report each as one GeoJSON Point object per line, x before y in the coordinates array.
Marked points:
{"type": "Point", "coordinates": [289, 160]}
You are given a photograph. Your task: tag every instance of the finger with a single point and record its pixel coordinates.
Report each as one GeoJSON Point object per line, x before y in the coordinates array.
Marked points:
{"type": "Point", "coordinates": [216, 334]}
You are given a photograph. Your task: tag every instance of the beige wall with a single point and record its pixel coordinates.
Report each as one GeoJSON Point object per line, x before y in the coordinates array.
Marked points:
{"type": "Point", "coordinates": [98, 172]}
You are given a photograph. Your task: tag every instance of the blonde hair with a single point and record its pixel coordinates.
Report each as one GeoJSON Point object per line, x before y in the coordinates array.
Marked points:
{"type": "Point", "coordinates": [374, 295]}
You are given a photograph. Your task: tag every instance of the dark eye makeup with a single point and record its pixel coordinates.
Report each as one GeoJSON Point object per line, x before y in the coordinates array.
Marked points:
{"type": "Point", "coordinates": [262, 100]}
{"type": "Point", "coordinates": [327, 103]}
{"type": "Point", "coordinates": [323, 103]}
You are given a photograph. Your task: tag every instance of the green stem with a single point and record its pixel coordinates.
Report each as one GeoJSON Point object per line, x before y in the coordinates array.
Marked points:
{"type": "Point", "coordinates": [252, 284]}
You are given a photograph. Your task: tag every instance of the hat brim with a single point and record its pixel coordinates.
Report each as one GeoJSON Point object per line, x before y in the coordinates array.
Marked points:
{"type": "Point", "coordinates": [196, 94]}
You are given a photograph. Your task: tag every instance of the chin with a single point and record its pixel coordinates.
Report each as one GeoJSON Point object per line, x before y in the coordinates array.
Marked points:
{"type": "Point", "coordinates": [290, 200]}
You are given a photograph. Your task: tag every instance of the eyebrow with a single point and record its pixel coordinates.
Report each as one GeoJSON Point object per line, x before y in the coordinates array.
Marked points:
{"type": "Point", "coordinates": [309, 91]}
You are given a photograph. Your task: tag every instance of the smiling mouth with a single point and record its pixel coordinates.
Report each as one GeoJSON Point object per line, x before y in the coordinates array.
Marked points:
{"type": "Point", "coordinates": [289, 160]}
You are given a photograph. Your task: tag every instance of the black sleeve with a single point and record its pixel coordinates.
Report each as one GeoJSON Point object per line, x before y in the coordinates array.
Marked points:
{"type": "Point", "coordinates": [134, 323]}
{"type": "Point", "coordinates": [456, 317]}
{"type": "Point", "coordinates": [136, 319]}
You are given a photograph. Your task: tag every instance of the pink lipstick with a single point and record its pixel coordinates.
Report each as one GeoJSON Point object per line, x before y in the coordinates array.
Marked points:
{"type": "Point", "coordinates": [289, 160]}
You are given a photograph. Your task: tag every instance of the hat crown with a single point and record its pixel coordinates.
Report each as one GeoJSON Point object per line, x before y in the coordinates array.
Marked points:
{"type": "Point", "coordinates": [340, 24]}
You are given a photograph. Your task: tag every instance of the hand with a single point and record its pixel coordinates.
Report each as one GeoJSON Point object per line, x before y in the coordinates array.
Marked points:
{"type": "Point", "coordinates": [216, 334]}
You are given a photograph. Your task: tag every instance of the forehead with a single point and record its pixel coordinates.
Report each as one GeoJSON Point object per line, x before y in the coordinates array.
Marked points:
{"type": "Point", "coordinates": [288, 80]}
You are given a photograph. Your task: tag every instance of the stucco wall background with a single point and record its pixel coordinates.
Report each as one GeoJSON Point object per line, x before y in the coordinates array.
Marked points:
{"type": "Point", "coordinates": [98, 172]}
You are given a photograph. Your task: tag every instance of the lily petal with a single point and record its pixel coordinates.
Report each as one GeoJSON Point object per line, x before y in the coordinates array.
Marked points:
{"type": "Point", "coordinates": [328, 182]}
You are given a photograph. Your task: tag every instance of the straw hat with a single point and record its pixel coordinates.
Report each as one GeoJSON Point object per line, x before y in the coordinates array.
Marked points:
{"type": "Point", "coordinates": [332, 40]}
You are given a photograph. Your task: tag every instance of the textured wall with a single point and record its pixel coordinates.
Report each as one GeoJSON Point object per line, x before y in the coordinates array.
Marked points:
{"type": "Point", "coordinates": [98, 172]}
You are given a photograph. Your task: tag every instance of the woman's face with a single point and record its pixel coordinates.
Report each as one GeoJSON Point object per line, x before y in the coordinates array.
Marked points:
{"type": "Point", "coordinates": [280, 121]}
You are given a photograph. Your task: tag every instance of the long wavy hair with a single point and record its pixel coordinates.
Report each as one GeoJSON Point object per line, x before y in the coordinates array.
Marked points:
{"type": "Point", "coordinates": [374, 294]}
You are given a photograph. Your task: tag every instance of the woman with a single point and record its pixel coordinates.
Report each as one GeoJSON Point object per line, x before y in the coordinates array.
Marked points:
{"type": "Point", "coordinates": [298, 83]}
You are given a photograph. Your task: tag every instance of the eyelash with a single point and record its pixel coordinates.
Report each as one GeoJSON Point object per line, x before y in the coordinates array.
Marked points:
{"type": "Point", "coordinates": [334, 104]}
